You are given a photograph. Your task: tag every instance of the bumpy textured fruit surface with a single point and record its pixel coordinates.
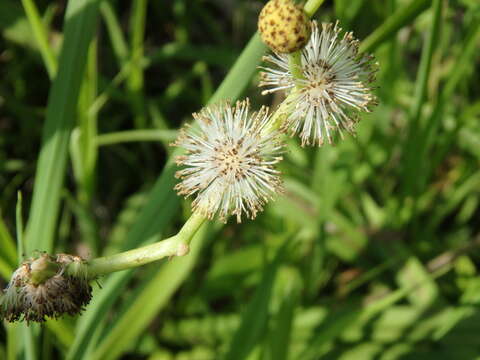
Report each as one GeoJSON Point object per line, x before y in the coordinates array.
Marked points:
{"type": "Point", "coordinates": [284, 26]}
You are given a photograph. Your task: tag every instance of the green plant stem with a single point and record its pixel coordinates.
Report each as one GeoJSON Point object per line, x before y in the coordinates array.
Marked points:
{"type": "Point", "coordinates": [176, 245]}
{"type": "Point", "coordinates": [295, 58]}
{"type": "Point", "coordinates": [393, 23]}
{"type": "Point", "coordinates": [135, 81]}
{"type": "Point", "coordinates": [415, 135]}
{"type": "Point", "coordinates": [283, 109]}
{"type": "Point", "coordinates": [295, 64]}
{"type": "Point", "coordinates": [136, 135]}
{"type": "Point", "coordinates": [312, 6]}
{"type": "Point", "coordinates": [80, 24]}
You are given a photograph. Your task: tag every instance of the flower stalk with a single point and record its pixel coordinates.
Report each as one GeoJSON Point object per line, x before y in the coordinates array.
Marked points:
{"type": "Point", "coordinates": [295, 64]}
{"type": "Point", "coordinates": [295, 58]}
{"type": "Point", "coordinates": [312, 6]}
{"type": "Point", "coordinates": [177, 245]}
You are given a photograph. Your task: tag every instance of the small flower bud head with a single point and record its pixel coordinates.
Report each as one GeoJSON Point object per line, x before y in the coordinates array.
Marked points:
{"type": "Point", "coordinates": [284, 26]}
{"type": "Point", "coordinates": [42, 288]}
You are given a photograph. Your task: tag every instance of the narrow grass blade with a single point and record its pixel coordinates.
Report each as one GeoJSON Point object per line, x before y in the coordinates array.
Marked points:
{"type": "Point", "coordinates": [12, 330]}
{"type": "Point", "coordinates": [8, 251]}
{"type": "Point", "coordinates": [241, 73]}
{"type": "Point", "coordinates": [41, 35]}
{"type": "Point", "coordinates": [312, 6]}
{"type": "Point", "coordinates": [254, 319]}
{"type": "Point", "coordinates": [135, 79]}
{"type": "Point", "coordinates": [114, 31]}
{"type": "Point", "coordinates": [415, 137]}
{"type": "Point", "coordinates": [29, 341]}
{"type": "Point", "coordinates": [80, 23]}
{"type": "Point", "coordinates": [424, 68]}
{"type": "Point", "coordinates": [19, 229]}
{"type": "Point", "coordinates": [403, 16]}
{"type": "Point", "coordinates": [88, 128]}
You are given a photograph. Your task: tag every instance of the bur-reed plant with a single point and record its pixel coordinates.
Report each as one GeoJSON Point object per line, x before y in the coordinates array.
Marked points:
{"type": "Point", "coordinates": [309, 212]}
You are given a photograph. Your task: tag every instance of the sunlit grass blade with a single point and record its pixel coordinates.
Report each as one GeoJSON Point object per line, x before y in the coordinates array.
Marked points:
{"type": "Point", "coordinates": [238, 77]}
{"type": "Point", "coordinates": [8, 251]}
{"type": "Point", "coordinates": [41, 35]}
{"type": "Point", "coordinates": [12, 330]}
{"type": "Point", "coordinates": [402, 17]}
{"type": "Point", "coordinates": [79, 27]}
{"type": "Point", "coordinates": [88, 128]}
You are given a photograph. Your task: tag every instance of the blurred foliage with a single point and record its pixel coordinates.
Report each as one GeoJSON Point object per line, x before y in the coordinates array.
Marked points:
{"type": "Point", "coordinates": [371, 253]}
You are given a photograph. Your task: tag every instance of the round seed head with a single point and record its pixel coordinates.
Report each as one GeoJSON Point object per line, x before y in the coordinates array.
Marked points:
{"type": "Point", "coordinates": [31, 297]}
{"type": "Point", "coordinates": [283, 26]}
{"type": "Point", "coordinates": [229, 162]}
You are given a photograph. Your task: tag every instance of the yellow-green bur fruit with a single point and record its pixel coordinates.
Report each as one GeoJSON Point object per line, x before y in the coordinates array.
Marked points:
{"type": "Point", "coordinates": [284, 26]}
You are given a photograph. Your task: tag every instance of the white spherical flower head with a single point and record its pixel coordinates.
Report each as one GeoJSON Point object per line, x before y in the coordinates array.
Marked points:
{"type": "Point", "coordinates": [333, 87]}
{"type": "Point", "coordinates": [229, 161]}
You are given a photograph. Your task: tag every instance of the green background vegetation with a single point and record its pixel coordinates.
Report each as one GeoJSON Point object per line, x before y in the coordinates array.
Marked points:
{"type": "Point", "coordinates": [371, 253]}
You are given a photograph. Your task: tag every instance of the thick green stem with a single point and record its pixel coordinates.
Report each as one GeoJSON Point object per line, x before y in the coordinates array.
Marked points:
{"type": "Point", "coordinates": [176, 245]}
{"type": "Point", "coordinates": [284, 108]}
{"type": "Point", "coordinates": [312, 6]}
{"type": "Point", "coordinates": [295, 58]}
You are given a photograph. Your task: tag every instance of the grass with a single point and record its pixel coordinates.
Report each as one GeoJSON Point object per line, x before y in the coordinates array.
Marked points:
{"type": "Point", "coordinates": [371, 253]}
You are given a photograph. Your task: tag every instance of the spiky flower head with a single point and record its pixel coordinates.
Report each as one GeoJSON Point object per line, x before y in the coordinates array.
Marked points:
{"type": "Point", "coordinates": [41, 287]}
{"type": "Point", "coordinates": [283, 26]}
{"type": "Point", "coordinates": [333, 87]}
{"type": "Point", "coordinates": [229, 161]}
